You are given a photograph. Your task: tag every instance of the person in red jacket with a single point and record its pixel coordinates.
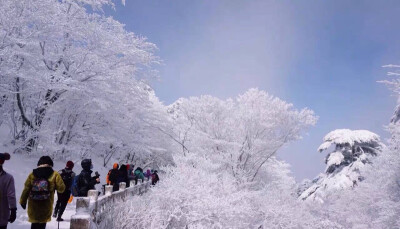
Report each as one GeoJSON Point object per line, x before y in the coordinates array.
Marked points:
{"type": "Point", "coordinates": [154, 177]}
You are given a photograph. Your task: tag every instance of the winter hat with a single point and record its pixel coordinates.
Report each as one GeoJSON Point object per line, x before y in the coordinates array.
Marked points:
{"type": "Point", "coordinates": [3, 157]}
{"type": "Point", "coordinates": [115, 166]}
{"type": "Point", "coordinates": [45, 160]}
{"type": "Point", "coordinates": [86, 164]}
{"type": "Point", "coordinates": [70, 164]}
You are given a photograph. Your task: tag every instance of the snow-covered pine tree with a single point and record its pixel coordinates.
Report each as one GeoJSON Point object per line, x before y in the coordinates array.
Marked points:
{"type": "Point", "coordinates": [353, 149]}
{"type": "Point", "coordinates": [375, 203]}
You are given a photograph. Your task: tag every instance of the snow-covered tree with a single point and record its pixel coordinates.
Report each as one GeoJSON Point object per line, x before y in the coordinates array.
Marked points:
{"type": "Point", "coordinates": [375, 202]}
{"type": "Point", "coordinates": [353, 150]}
{"type": "Point", "coordinates": [239, 134]}
{"type": "Point", "coordinates": [226, 173]}
{"type": "Point", "coordinates": [72, 82]}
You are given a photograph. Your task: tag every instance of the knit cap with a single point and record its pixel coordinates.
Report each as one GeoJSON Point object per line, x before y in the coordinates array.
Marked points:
{"type": "Point", "coordinates": [4, 157]}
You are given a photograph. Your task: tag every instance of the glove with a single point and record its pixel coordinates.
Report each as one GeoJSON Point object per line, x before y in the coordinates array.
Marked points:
{"type": "Point", "coordinates": [23, 206]}
{"type": "Point", "coordinates": [13, 215]}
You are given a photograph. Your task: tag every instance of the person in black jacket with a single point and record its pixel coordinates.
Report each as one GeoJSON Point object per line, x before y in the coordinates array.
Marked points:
{"type": "Point", "coordinates": [67, 175]}
{"type": "Point", "coordinates": [123, 175]}
{"type": "Point", "coordinates": [85, 181]}
{"type": "Point", "coordinates": [112, 177]}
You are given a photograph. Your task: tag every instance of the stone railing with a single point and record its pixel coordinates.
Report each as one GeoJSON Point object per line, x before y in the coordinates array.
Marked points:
{"type": "Point", "coordinates": [96, 212]}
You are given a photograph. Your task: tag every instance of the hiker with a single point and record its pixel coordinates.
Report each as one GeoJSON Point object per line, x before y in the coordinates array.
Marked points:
{"type": "Point", "coordinates": [131, 177]}
{"type": "Point", "coordinates": [39, 192]}
{"type": "Point", "coordinates": [85, 181]}
{"type": "Point", "coordinates": [67, 176]}
{"type": "Point", "coordinates": [123, 175]}
{"type": "Point", "coordinates": [138, 175]}
{"type": "Point", "coordinates": [112, 177]}
{"type": "Point", "coordinates": [154, 177]}
{"type": "Point", "coordinates": [148, 174]}
{"type": "Point", "coordinates": [8, 202]}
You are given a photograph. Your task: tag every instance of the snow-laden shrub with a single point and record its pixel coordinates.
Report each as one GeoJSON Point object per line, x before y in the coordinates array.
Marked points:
{"type": "Point", "coordinates": [194, 194]}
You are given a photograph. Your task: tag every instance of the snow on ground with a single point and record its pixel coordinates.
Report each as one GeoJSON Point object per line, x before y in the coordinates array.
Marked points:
{"type": "Point", "coordinates": [20, 166]}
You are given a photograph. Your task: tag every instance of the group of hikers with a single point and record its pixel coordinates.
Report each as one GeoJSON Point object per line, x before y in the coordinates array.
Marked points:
{"type": "Point", "coordinates": [43, 182]}
{"type": "Point", "coordinates": [125, 173]}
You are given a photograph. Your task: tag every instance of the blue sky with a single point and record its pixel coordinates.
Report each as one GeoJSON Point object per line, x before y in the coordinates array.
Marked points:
{"type": "Point", "coordinates": [324, 55]}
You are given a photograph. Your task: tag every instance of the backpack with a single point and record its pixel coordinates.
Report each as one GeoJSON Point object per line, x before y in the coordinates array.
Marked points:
{"type": "Point", "coordinates": [137, 174]}
{"type": "Point", "coordinates": [66, 177]}
{"type": "Point", "coordinates": [40, 189]}
{"type": "Point", "coordinates": [75, 186]}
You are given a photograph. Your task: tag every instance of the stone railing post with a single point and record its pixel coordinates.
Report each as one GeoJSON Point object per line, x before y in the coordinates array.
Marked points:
{"type": "Point", "coordinates": [140, 189]}
{"type": "Point", "coordinates": [93, 195]}
{"type": "Point", "coordinates": [108, 190]}
{"type": "Point", "coordinates": [122, 186]}
{"type": "Point", "coordinates": [82, 218]}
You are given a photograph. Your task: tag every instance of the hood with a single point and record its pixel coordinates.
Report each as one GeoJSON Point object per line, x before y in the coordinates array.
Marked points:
{"type": "Point", "coordinates": [122, 168]}
{"type": "Point", "coordinates": [3, 157]}
{"type": "Point", "coordinates": [43, 172]}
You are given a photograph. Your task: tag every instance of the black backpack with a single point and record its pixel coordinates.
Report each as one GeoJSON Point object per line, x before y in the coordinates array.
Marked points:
{"type": "Point", "coordinates": [113, 177]}
{"type": "Point", "coordinates": [67, 178]}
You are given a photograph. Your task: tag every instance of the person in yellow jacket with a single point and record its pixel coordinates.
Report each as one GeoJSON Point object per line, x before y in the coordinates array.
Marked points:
{"type": "Point", "coordinates": [39, 192]}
